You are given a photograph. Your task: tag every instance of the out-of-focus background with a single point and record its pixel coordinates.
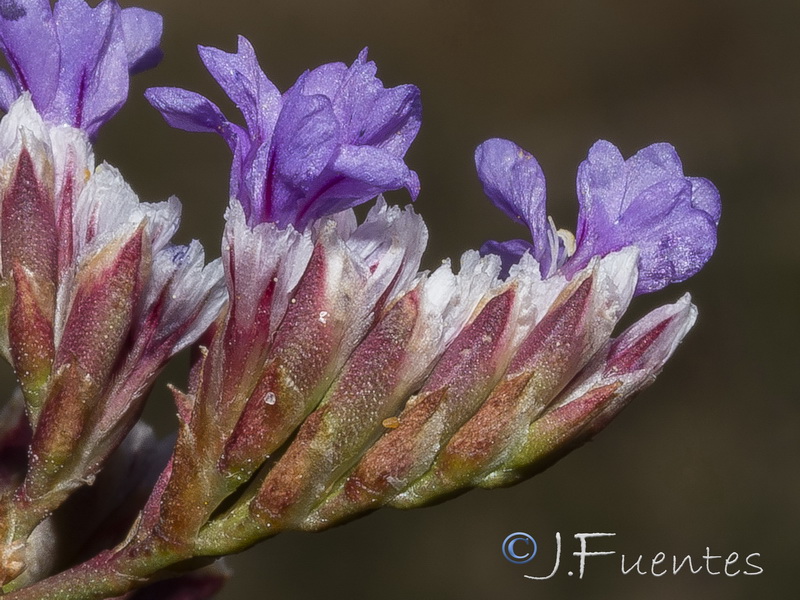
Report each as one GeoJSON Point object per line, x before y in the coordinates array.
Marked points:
{"type": "Point", "coordinates": [705, 459]}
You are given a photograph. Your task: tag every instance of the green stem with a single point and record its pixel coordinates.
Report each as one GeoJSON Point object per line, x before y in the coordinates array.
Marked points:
{"type": "Point", "coordinates": [233, 532]}
{"type": "Point", "coordinates": [107, 575]}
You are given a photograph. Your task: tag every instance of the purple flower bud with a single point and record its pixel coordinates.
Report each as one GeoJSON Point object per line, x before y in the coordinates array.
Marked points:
{"type": "Point", "coordinates": [75, 60]}
{"type": "Point", "coordinates": [334, 140]}
{"type": "Point", "coordinates": [645, 202]}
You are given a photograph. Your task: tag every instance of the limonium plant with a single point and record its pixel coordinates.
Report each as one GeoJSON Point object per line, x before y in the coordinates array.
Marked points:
{"type": "Point", "coordinates": [330, 376]}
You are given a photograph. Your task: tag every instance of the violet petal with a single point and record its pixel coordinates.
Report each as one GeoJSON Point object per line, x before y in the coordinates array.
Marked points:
{"type": "Point", "coordinates": [246, 85]}
{"type": "Point", "coordinates": [187, 110]}
{"type": "Point", "coordinates": [645, 202]}
{"type": "Point", "coordinates": [369, 113]}
{"type": "Point", "coordinates": [142, 30]}
{"type": "Point", "coordinates": [514, 182]}
{"type": "Point", "coordinates": [356, 174]}
{"type": "Point", "coordinates": [335, 139]}
{"type": "Point", "coordinates": [29, 40]}
{"type": "Point", "coordinates": [9, 90]}
{"type": "Point", "coordinates": [305, 139]}
{"type": "Point", "coordinates": [74, 59]}
{"type": "Point", "coordinates": [510, 252]}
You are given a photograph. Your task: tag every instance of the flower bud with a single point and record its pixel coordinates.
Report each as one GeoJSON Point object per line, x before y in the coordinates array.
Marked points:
{"type": "Point", "coordinates": [628, 365]}
{"type": "Point", "coordinates": [561, 343]}
{"type": "Point", "coordinates": [95, 330]}
{"type": "Point", "coordinates": [93, 301]}
{"type": "Point", "coordinates": [385, 368]}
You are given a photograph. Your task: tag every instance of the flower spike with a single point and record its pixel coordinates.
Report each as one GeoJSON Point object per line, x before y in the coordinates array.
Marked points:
{"type": "Point", "coordinates": [94, 301]}
{"type": "Point", "coordinates": [331, 376]}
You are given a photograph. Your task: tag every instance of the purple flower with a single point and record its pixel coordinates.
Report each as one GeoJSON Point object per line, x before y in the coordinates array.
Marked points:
{"type": "Point", "coordinates": [645, 202]}
{"type": "Point", "coordinates": [75, 60]}
{"type": "Point", "coordinates": [334, 140]}
{"type": "Point", "coordinates": [514, 182]}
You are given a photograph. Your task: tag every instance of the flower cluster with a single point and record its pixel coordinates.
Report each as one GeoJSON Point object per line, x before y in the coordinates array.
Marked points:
{"type": "Point", "coordinates": [75, 60]}
{"type": "Point", "coordinates": [95, 300]}
{"type": "Point", "coordinates": [644, 202]}
{"type": "Point", "coordinates": [330, 376]}
{"type": "Point", "coordinates": [335, 139]}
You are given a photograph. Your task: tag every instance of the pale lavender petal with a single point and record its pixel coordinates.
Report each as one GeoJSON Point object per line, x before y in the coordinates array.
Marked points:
{"type": "Point", "coordinates": [142, 30]}
{"type": "Point", "coordinates": [246, 85]}
{"type": "Point", "coordinates": [187, 110]}
{"type": "Point", "coordinates": [325, 80]}
{"type": "Point", "coordinates": [306, 137]}
{"type": "Point", "coordinates": [648, 167]}
{"type": "Point", "coordinates": [514, 182]}
{"type": "Point", "coordinates": [601, 185]}
{"type": "Point", "coordinates": [74, 59]}
{"type": "Point", "coordinates": [355, 175]}
{"type": "Point", "coordinates": [673, 244]}
{"type": "Point", "coordinates": [29, 40]}
{"type": "Point", "coordinates": [251, 177]}
{"type": "Point", "coordinates": [369, 113]}
{"type": "Point", "coordinates": [510, 252]}
{"type": "Point", "coordinates": [93, 82]}
{"type": "Point", "coordinates": [393, 120]}
{"type": "Point", "coordinates": [705, 196]}
{"type": "Point", "coordinates": [645, 202]}
{"type": "Point", "coordinates": [377, 127]}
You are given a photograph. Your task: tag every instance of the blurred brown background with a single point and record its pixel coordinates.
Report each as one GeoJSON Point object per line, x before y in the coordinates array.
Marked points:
{"type": "Point", "coordinates": [708, 456]}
